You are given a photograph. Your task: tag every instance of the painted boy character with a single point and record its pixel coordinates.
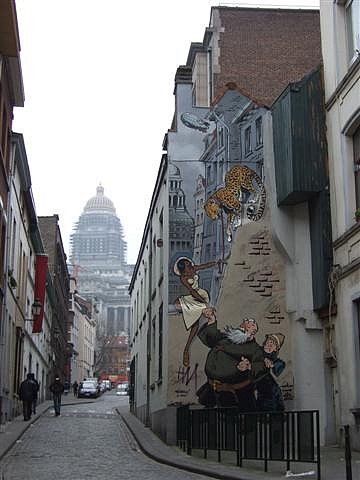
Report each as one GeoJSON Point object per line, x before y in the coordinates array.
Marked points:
{"type": "Point", "coordinates": [269, 395]}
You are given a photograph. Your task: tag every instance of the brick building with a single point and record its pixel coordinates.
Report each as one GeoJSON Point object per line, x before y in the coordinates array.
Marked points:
{"type": "Point", "coordinates": [60, 331]}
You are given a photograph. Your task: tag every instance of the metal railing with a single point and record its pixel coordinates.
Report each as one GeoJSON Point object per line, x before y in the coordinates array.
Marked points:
{"type": "Point", "coordinates": [275, 436]}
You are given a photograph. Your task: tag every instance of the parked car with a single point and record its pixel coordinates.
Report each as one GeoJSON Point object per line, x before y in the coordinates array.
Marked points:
{"type": "Point", "coordinates": [103, 387]}
{"type": "Point", "coordinates": [88, 389]}
{"type": "Point", "coordinates": [122, 389]}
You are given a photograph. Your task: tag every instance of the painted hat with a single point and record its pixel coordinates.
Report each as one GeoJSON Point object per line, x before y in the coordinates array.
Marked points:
{"type": "Point", "coordinates": [176, 268]}
{"type": "Point", "coordinates": [278, 338]}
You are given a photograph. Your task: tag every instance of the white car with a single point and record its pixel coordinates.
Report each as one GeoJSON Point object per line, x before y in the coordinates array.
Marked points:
{"type": "Point", "coordinates": [122, 389]}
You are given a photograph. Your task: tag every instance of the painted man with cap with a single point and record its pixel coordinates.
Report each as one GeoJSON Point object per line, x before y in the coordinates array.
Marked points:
{"type": "Point", "coordinates": [269, 395]}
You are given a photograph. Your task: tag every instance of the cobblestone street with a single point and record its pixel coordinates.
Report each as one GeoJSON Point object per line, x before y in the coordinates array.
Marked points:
{"type": "Point", "coordinates": [86, 441]}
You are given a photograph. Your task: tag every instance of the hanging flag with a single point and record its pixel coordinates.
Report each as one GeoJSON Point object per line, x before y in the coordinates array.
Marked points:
{"type": "Point", "coordinates": [41, 264]}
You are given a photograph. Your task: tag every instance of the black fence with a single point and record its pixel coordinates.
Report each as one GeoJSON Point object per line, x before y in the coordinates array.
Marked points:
{"type": "Point", "coordinates": [285, 436]}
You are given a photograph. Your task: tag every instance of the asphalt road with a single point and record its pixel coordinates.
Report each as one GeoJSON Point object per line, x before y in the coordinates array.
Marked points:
{"type": "Point", "coordinates": [87, 441]}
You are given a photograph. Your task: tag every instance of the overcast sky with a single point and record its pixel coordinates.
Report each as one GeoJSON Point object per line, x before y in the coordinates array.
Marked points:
{"type": "Point", "coordinates": [99, 80]}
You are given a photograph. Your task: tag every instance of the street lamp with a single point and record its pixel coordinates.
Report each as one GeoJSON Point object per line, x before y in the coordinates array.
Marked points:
{"type": "Point", "coordinates": [35, 310]}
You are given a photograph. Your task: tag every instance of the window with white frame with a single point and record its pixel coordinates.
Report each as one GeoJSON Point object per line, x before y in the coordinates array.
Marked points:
{"type": "Point", "coordinates": [352, 12]}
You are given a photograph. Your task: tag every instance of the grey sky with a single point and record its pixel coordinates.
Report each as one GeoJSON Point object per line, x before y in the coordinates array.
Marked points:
{"type": "Point", "coordinates": [99, 79]}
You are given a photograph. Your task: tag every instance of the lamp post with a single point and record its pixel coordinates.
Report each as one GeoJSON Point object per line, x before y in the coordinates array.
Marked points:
{"type": "Point", "coordinates": [35, 310]}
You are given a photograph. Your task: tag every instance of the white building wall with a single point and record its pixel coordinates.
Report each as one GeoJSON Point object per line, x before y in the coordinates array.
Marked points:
{"type": "Point", "coordinates": [342, 100]}
{"type": "Point", "coordinates": [291, 235]}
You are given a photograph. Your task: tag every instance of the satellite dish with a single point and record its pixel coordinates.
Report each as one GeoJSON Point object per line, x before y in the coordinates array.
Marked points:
{"type": "Point", "coordinates": [194, 122]}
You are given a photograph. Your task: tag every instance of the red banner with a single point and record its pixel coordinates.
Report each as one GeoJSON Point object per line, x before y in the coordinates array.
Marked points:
{"type": "Point", "coordinates": [40, 287]}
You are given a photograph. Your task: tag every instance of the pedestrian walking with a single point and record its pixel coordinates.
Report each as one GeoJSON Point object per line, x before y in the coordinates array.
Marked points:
{"type": "Point", "coordinates": [57, 388]}
{"type": "Point", "coordinates": [75, 388]}
{"type": "Point", "coordinates": [37, 386]}
{"type": "Point", "coordinates": [27, 394]}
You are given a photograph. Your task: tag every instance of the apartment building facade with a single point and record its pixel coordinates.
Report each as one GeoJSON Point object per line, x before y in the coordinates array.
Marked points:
{"type": "Point", "coordinates": [340, 31]}
{"type": "Point", "coordinates": [11, 95]}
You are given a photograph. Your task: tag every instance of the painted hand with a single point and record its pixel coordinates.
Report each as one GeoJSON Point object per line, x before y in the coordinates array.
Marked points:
{"type": "Point", "coordinates": [244, 364]}
{"type": "Point", "coordinates": [268, 363]}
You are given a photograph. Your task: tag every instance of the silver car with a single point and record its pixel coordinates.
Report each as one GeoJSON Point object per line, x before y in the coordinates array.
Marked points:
{"type": "Point", "coordinates": [88, 389]}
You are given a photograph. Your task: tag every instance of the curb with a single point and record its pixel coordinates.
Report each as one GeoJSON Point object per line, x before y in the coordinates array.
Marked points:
{"type": "Point", "coordinates": [205, 471]}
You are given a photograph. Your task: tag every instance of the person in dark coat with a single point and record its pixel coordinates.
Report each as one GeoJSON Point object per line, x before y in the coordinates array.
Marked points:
{"type": "Point", "coordinates": [233, 365]}
{"type": "Point", "coordinates": [75, 386]}
{"type": "Point", "coordinates": [37, 385]}
{"type": "Point", "coordinates": [27, 394]}
{"type": "Point", "coordinates": [57, 388]}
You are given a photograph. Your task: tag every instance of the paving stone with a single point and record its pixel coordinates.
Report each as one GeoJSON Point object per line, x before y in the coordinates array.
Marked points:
{"type": "Point", "coordinates": [84, 442]}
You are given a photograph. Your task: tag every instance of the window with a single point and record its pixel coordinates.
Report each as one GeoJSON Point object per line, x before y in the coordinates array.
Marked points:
{"type": "Point", "coordinates": [258, 131]}
{"type": "Point", "coordinates": [193, 95]}
{"type": "Point", "coordinates": [248, 140]}
{"type": "Point", "coordinates": [221, 137]}
{"type": "Point", "coordinates": [353, 28]}
{"type": "Point", "coordinates": [356, 145]}
{"type": "Point", "coordinates": [208, 174]}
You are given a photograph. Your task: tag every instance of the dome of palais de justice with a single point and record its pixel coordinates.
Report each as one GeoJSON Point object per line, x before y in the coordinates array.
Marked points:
{"type": "Point", "coordinates": [99, 202]}
{"type": "Point", "coordinates": [98, 237]}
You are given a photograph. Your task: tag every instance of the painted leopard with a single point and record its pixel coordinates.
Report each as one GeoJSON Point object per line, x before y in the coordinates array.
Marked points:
{"type": "Point", "coordinates": [227, 199]}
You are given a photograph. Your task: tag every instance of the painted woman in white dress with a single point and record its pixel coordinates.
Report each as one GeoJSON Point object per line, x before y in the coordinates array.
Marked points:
{"type": "Point", "coordinates": [191, 306]}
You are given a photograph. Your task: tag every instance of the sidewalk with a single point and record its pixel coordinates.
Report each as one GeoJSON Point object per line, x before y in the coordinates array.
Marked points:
{"type": "Point", "coordinates": [15, 429]}
{"type": "Point", "coordinates": [332, 459]}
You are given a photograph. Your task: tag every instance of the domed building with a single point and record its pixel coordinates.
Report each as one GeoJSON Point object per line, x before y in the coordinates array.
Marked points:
{"type": "Point", "coordinates": [98, 263]}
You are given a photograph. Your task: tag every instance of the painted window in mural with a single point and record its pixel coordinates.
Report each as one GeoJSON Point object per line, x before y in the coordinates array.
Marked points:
{"type": "Point", "coordinates": [248, 140]}
{"type": "Point", "coordinates": [258, 131]}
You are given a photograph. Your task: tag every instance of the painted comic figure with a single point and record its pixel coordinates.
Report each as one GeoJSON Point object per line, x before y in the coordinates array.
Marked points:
{"type": "Point", "coordinates": [192, 305]}
{"type": "Point", "coordinates": [269, 395]}
{"type": "Point", "coordinates": [233, 364]}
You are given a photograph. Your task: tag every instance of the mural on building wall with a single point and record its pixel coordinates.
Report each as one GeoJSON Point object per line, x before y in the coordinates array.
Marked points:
{"type": "Point", "coordinates": [195, 302]}
{"type": "Point", "coordinates": [227, 280]}
{"type": "Point", "coordinates": [239, 192]}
